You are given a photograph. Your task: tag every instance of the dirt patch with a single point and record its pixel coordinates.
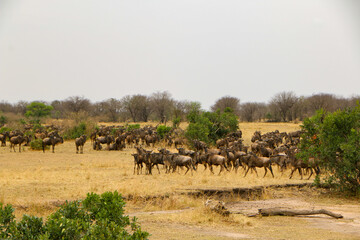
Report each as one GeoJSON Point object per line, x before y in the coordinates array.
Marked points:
{"type": "Point", "coordinates": [350, 224]}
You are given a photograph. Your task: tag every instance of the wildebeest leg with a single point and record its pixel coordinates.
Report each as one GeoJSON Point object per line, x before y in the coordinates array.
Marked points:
{"type": "Point", "coordinates": [77, 149]}
{"type": "Point", "coordinates": [187, 169]}
{"type": "Point", "coordinates": [158, 168]}
{"type": "Point", "coordinates": [311, 173]}
{"type": "Point", "coordinates": [221, 169]}
{"type": "Point", "coordinates": [256, 171]}
{"type": "Point", "coordinates": [53, 148]}
{"type": "Point", "coordinates": [292, 172]}
{"type": "Point", "coordinates": [270, 168]}
{"type": "Point", "coordinates": [211, 169]}
{"type": "Point", "coordinates": [247, 172]}
{"type": "Point", "coordinates": [205, 167]}
{"type": "Point", "coordinates": [19, 147]}
{"type": "Point", "coordinates": [301, 173]}
{"type": "Point", "coordinates": [265, 171]}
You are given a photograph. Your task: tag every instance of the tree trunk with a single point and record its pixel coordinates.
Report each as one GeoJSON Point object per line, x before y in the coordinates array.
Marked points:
{"type": "Point", "coordinates": [293, 212]}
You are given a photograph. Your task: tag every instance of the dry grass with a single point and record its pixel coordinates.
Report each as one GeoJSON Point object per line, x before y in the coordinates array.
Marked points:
{"type": "Point", "coordinates": [33, 178]}
{"type": "Point", "coordinates": [37, 183]}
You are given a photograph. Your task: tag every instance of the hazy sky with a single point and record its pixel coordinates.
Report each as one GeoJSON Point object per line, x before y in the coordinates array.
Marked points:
{"type": "Point", "coordinates": [198, 50]}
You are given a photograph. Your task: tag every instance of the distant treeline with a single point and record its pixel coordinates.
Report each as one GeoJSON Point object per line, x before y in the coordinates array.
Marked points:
{"type": "Point", "coordinates": [161, 106]}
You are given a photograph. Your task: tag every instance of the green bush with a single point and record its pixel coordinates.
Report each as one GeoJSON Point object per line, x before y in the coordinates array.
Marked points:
{"type": "Point", "coordinates": [211, 126]}
{"type": "Point", "coordinates": [176, 122]}
{"type": "Point", "coordinates": [3, 120]}
{"type": "Point", "coordinates": [162, 130]}
{"type": "Point", "coordinates": [5, 129]}
{"type": "Point", "coordinates": [131, 127]}
{"type": "Point", "coordinates": [96, 217]}
{"type": "Point", "coordinates": [36, 144]}
{"type": "Point", "coordinates": [75, 131]}
{"type": "Point", "coordinates": [334, 140]}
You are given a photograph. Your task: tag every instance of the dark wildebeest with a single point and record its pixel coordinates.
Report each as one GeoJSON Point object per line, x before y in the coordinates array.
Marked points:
{"type": "Point", "coordinates": [3, 137]}
{"type": "Point", "coordinates": [199, 145]}
{"type": "Point", "coordinates": [79, 143]}
{"type": "Point", "coordinates": [182, 161]}
{"type": "Point", "coordinates": [138, 162]}
{"type": "Point", "coordinates": [16, 140]}
{"type": "Point", "coordinates": [217, 160]}
{"type": "Point", "coordinates": [104, 140]}
{"type": "Point", "coordinates": [51, 141]}
{"type": "Point", "coordinates": [256, 161]}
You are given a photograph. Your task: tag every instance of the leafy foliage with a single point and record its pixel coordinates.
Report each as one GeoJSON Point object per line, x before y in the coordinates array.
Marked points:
{"type": "Point", "coordinates": [38, 110]}
{"type": "Point", "coordinates": [131, 127]}
{"type": "Point", "coordinates": [75, 131]}
{"type": "Point", "coordinates": [5, 129]}
{"type": "Point", "coordinates": [3, 120]}
{"type": "Point", "coordinates": [176, 122]}
{"type": "Point", "coordinates": [334, 139]}
{"type": "Point", "coordinates": [96, 217]}
{"type": "Point", "coordinates": [162, 130]}
{"type": "Point", "coordinates": [211, 126]}
{"type": "Point", "coordinates": [36, 144]}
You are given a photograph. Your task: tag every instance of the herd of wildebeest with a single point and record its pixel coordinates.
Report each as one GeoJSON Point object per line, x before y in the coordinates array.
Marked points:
{"type": "Point", "coordinates": [229, 153]}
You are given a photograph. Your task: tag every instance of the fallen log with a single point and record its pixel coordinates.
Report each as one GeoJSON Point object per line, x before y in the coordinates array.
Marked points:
{"type": "Point", "coordinates": [293, 212]}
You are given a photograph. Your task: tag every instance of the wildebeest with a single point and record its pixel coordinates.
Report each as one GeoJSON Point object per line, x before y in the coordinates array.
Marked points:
{"type": "Point", "coordinates": [16, 140]}
{"type": "Point", "coordinates": [217, 160]}
{"type": "Point", "coordinates": [79, 143]}
{"type": "Point", "coordinates": [3, 137]}
{"type": "Point", "coordinates": [51, 141]}
{"type": "Point", "coordinates": [182, 161]}
{"type": "Point", "coordinates": [256, 161]}
{"type": "Point", "coordinates": [104, 140]}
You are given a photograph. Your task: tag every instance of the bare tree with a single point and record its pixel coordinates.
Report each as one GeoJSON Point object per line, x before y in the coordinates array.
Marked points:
{"type": "Point", "coordinates": [227, 101]}
{"type": "Point", "coordinates": [137, 106]}
{"type": "Point", "coordinates": [180, 109]}
{"type": "Point", "coordinates": [252, 111]}
{"type": "Point", "coordinates": [162, 103]}
{"type": "Point", "coordinates": [112, 108]}
{"type": "Point", "coordinates": [20, 107]}
{"type": "Point", "coordinates": [320, 101]}
{"type": "Point", "coordinates": [76, 104]}
{"type": "Point", "coordinates": [282, 103]}
{"type": "Point", "coordinates": [6, 107]}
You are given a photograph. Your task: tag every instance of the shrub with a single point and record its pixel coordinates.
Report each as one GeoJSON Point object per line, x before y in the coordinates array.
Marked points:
{"type": "Point", "coordinates": [162, 130]}
{"type": "Point", "coordinates": [75, 131]}
{"type": "Point", "coordinates": [3, 120]}
{"type": "Point", "coordinates": [131, 127]}
{"type": "Point", "coordinates": [176, 122]}
{"type": "Point", "coordinates": [211, 126]}
{"type": "Point", "coordinates": [5, 129]}
{"type": "Point", "coordinates": [334, 139]}
{"type": "Point", "coordinates": [36, 144]}
{"type": "Point", "coordinates": [96, 217]}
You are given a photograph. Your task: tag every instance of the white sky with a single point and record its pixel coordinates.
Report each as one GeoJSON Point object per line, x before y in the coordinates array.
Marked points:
{"type": "Point", "coordinates": [198, 50]}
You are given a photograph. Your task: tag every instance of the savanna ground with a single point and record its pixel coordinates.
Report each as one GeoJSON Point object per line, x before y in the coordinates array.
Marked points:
{"type": "Point", "coordinates": [36, 183]}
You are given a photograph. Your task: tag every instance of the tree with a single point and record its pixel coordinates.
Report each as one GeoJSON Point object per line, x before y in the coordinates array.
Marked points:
{"type": "Point", "coordinates": [252, 111]}
{"type": "Point", "coordinates": [281, 105]}
{"type": "Point", "coordinates": [227, 101]}
{"type": "Point", "coordinates": [137, 106]}
{"type": "Point", "coordinates": [76, 104]}
{"type": "Point", "coordinates": [162, 103]}
{"type": "Point", "coordinates": [211, 126]}
{"type": "Point", "coordinates": [112, 108]}
{"type": "Point", "coordinates": [334, 139]}
{"type": "Point", "coordinates": [38, 110]}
